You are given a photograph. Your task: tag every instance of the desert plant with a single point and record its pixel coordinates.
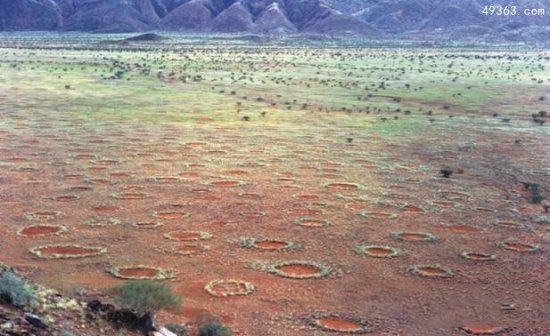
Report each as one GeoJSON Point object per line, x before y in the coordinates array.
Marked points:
{"type": "Point", "coordinates": [17, 290]}
{"type": "Point", "coordinates": [67, 333]}
{"type": "Point", "coordinates": [446, 172]}
{"type": "Point", "coordinates": [177, 329]}
{"type": "Point", "coordinates": [146, 296]}
{"type": "Point", "coordinates": [534, 188]}
{"type": "Point", "coordinates": [214, 329]}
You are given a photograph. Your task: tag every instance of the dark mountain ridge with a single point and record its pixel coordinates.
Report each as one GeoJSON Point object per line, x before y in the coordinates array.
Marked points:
{"type": "Point", "coordinates": [371, 18]}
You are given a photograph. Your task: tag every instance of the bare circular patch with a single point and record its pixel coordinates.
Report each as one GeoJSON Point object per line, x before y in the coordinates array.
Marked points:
{"type": "Point", "coordinates": [66, 251]}
{"type": "Point", "coordinates": [188, 235]}
{"type": "Point", "coordinates": [342, 186]}
{"type": "Point", "coordinates": [482, 329]}
{"type": "Point", "coordinates": [226, 183]}
{"type": "Point", "coordinates": [224, 288]}
{"type": "Point", "coordinates": [312, 222]}
{"type": "Point", "coordinates": [341, 323]}
{"type": "Point", "coordinates": [378, 251]}
{"type": "Point", "coordinates": [462, 229]}
{"type": "Point", "coordinates": [299, 269]}
{"type": "Point", "coordinates": [446, 204]}
{"type": "Point", "coordinates": [141, 272]}
{"type": "Point", "coordinates": [305, 212]}
{"type": "Point", "coordinates": [430, 271]}
{"type": "Point", "coordinates": [267, 244]}
{"type": "Point", "coordinates": [105, 208]}
{"type": "Point", "coordinates": [41, 230]}
{"type": "Point", "coordinates": [519, 246]}
{"type": "Point", "coordinates": [147, 225]}
{"type": "Point", "coordinates": [66, 198]}
{"type": "Point", "coordinates": [189, 249]}
{"type": "Point", "coordinates": [413, 236]}
{"type": "Point", "coordinates": [510, 225]}
{"type": "Point", "coordinates": [478, 256]}
{"type": "Point", "coordinates": [102, 221]}
{"type": "Point", "coordinates": [379, 215]}
{"type": "Point", "coordinates": [130, 195]}
{"type": "Point", "coordinates": [168, 179]}
{"type": "Point", "coordinates": [42, 215]}
{"type": "Point", "coordinates": [170, 215]}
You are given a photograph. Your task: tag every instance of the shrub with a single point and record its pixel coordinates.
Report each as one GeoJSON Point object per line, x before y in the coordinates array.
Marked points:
{"type": "Point", "coordinates": [17, 290]}
{"type": "Point", "coordinates": [536, 196]}
{"type": "Point", "coordinates": [177, 329]}
{"type": "Point", "coordinates": [67, 333]}
{"type": "Point", "coordinates": [214, 329]}
{"type": "Point", "coordinates": [446, 172]}
{"type": "Point", "coordinates": [143, 296]}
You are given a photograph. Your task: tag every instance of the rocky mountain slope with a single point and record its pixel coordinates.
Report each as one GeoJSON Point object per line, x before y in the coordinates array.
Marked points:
{"type": "Point", "coordinates": [226, 16]}
{"type": "Point", "coordinates": [373, 18]}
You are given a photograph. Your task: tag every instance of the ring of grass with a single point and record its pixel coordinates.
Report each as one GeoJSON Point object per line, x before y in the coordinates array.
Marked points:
{"type": "Point", "coordinates": [38, 253]}
{"type": "Point", "coordinates": [201, 235]}
{"type": "Point", "coordinates": [376, 215]}
{"type": "Point", "coordinates": [102, 222]}
{"type": "Point", "coordinates": [273, 268]}
{"type": "Point", "coordinates": [427, 237]}
{"type": "Point", "coordinates": [163, 214]}
{"type": "Point", "coordinates": [345, 185]}
{"type": "Point", "coordinates": [147, 225]}
{"type": "Point", "coordinates": [363, 326]}
{"type": "Point", "coordinates": [238, 183]}
{"type": "Point", "coordinates": [168, 179]}
{"type": "Point", "coordinates": [419, 271]}
{"type": "Point", "coordinates": [252, 243]}
{"type": "Point", "coordinates": [198, 249]}
{"type": "Point", "coordinates": [321, 222]}
{"type": "Point", "coordinates": [249, 288]}
{"type": "Point", "coordinates": [129, 195]}
{"type": "Point", "coordinates": [363, 250]}
{"type": "Point", "coordinates": [519, 246]}
{"type": "Point", "coordinates": [66, 198]}
{"type": "Point", "coordinates": [42, 215]}
{"type": "Point", "coordinates": [510, 225]}
{"type": "Point", "coordinates": [61, 229]}
{"type": "Point", "coordinates": [478, 256]}
{"type": "Point", "coordinates": [161, 274]}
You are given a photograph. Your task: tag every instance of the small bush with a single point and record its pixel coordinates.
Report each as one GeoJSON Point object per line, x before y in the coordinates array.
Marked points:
{"type": "Point", "coordinates": [67, 333]}
{"type": "Point", "coordinates": [177, 329]}
{"type": "Point", "coordinates": [214, 329]}
{"type": "Point", "coordinates": [17, 290]}
{"type": "Point", "coordinates": [536, 196]}
{"type": "Point", "coordinates": [143, 296]}
{"type": "Point", "coordinates": [446, 172]}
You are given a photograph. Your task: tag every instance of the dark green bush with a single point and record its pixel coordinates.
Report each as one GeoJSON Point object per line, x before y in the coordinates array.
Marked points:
{"type": "Point", "coordinates": [177, 329]}
{"type": "Point", "coordinates": [143, 296]}
{"type": "Point", "coordinates": [17, 290]}
{"type": "Point", "coordinates": [214, 329]}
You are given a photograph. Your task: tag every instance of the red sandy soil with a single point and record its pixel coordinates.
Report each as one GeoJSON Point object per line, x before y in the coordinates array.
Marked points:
{"type": "Point", "coordinates": [288, 175]}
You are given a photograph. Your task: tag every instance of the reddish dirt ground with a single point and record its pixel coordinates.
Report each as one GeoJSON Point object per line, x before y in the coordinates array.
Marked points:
{"type": "Point", "coordinates": [293, 186]}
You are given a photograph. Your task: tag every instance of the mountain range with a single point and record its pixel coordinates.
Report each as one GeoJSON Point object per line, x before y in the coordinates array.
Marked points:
{"type": "Point", "coordinates": [371, 18]}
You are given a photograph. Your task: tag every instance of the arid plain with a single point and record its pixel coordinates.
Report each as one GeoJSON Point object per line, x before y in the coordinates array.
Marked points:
{"type": "Point", "coordinates": [288, 189]}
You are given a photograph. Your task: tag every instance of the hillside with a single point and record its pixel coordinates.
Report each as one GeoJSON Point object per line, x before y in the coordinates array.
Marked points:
{"type": "Point", "coordinates": [370, 18]}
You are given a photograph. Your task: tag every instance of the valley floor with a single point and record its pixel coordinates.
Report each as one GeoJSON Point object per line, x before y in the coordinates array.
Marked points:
{"type": "Point", "coordinates": [311, 172]}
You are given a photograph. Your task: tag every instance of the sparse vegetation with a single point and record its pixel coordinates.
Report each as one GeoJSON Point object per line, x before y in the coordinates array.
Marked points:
{"type": "Point", "coordinates": [146, 296]}
{"type": "Point", "coordinates": [16, 290]}
{"type": "Point", "coordinates": [177, 329]}
{"type": "Point", "coordinates": [214, 329]}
